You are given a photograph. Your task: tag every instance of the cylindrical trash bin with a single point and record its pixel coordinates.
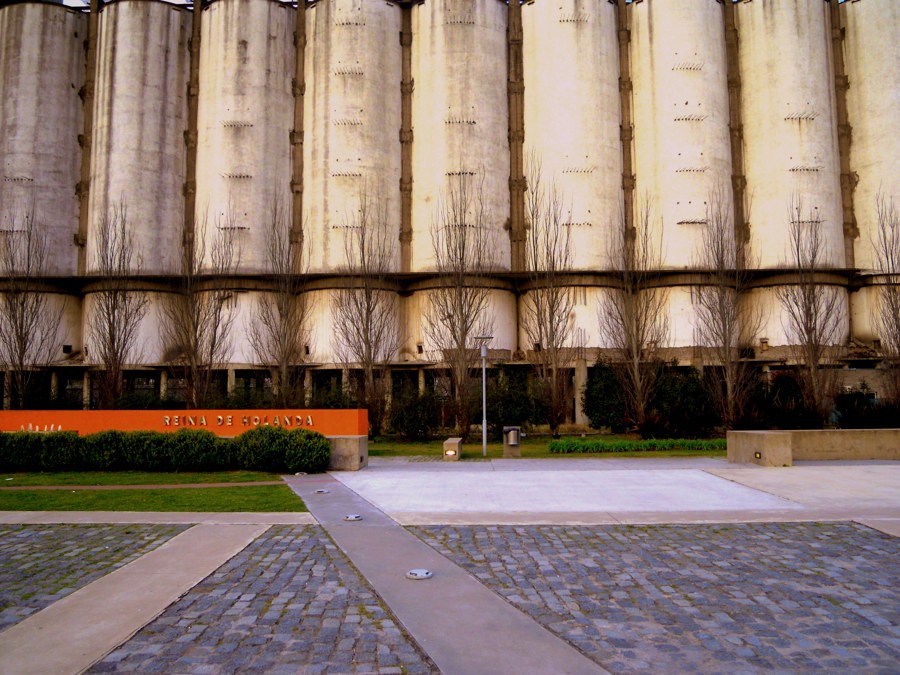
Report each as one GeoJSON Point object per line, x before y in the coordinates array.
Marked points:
{"type": "Point", "coordinates": [511, 436]}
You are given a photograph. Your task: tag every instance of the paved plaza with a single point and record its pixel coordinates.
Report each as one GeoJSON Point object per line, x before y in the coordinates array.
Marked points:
{"type": "Point", "coordinates": [579, 566]}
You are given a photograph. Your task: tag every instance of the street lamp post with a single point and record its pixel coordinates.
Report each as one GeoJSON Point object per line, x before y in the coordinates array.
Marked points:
{"type": "Point", "coordinates": [483, 340]}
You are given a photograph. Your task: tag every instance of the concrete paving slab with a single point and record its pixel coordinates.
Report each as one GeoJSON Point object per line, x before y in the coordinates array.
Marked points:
{"type": "Point", "coordinates": [464, 627]}
{"type": "Point", "coordinates": [407, 495]}
{"type": "Point", "coordinates": [73, 633]}
{"type": "Point", "coordinates": [855, 485]}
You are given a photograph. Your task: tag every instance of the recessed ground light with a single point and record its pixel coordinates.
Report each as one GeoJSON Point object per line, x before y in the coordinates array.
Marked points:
{"type": "Point", "coordinates": [321, 491]}
{"type": "Point", "coordinates": [419, 574]}
{"type": "Point", "coordinates": [757, 455]}
{"type": "Point", "coordinates": [352, 517]}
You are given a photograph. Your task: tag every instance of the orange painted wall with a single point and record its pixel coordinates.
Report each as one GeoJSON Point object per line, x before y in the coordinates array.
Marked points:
{"type": "Point", "coordinates": [220, 422]}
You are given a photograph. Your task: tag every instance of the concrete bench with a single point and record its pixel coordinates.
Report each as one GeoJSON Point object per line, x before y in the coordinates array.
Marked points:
{"type": "Point", "coordinates": [452, 449]}
{"type": "Point", "coordinates": [781, 448]}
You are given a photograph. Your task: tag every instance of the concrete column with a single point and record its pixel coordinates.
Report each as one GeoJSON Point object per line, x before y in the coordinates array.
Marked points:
{"type": "Point", "coordinates": [163, 383]}
{"type": "Point", "coordinates": [581, 376]}
{"type": "Point", "coordinates": [229, 385]}
{"type": "Point", "coordinates": [7, 395]}
{"type": "Point", "coordinates": [421, 381]}
{"type": "Point", "coordinates": [307, 385]}
{"type": "Point", "coordinates": [54, 384]}
{"type": "Point", "coordinates": [86, 391]}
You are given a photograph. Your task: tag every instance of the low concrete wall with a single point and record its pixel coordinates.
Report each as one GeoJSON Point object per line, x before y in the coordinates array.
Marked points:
{"type": "Point", "coordinates": [766, 448]}
{"type": "Point", "coordinates": [781, 448]}
{"type": "Point", "coordinates": [348, 453]}
{"type": "Point", "coordinates": [846, 444]}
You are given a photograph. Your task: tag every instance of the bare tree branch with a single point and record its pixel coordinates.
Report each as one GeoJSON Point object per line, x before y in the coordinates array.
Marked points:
{"type": "Point", "coordinates": [458, 307]}
{"type": "Point", "coordinates": [280, 332]}
{"type": "Point", "coordinates": [118, 310]}
{"type": "Point", "coordinates": [725, 322]}
{"type": "Point", "coordinates": [633, 319]}
{"type": "Point", "coordinates": [29, 326]}
{"type": "Point", "coordinates": [201, 314]}
{"type": "Point", "coordinates": [366, 330]}
{"type": "Point", "coordinates": [812, 311]}
{"type": "Point", "coordinates": [887, 257]}
{"type": "Point", "coordinates": [549, 303]}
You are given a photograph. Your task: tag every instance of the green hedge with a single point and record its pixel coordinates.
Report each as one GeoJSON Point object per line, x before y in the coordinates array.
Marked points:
{"type": "Point", "coordinates": [273, 449]}
{"type": "Point", "coordinates": [577, 445]}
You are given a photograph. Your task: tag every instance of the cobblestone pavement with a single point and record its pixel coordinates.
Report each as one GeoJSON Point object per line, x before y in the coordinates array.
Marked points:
{"type": "Point", "coordinates": [39, 564]}
{"type": "Point", "coordinates": [290, 602]}
{"type": "Point", "coordinates": [788, 597]}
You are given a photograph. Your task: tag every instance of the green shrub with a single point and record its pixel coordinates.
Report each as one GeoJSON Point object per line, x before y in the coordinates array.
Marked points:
{"type": "Point", "coordinates": [681, 407]}
{"type": "Point", "coordinates": [308, 451]}
{"type": "Point", "coordinates": [602, 398]}
{"type": "Point", "coordinates": [102, 451]}
{"type": "Point", "coordinates": [146, 451]}
{"type": "Point", "coordinates": [61, 451]}
{"type": "Point", "coordinates": [414, 416]}
{"type": "Point", "coordinates": [263, 449]}
{"type": "Point", "coordinates": [579, 445]}
{"type": "Point", "coordinates": [20, 451]}
{"type": "Point", "coordinates": [199, 450]}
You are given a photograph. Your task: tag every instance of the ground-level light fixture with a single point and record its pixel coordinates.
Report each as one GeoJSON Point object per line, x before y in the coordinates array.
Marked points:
{"type": "Point", "coordinates": [483, 341]}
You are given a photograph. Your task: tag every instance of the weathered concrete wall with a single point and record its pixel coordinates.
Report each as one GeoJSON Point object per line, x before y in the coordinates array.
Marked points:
{"type": "Point", "coordinates": [772, 447]}
{"type": "Point", "coordinates": [781, 448]}
{"type": "Point", "coordinates": [348, 453]}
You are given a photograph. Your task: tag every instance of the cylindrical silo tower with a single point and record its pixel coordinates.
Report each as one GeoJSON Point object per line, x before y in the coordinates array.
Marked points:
{"type": "Point", "coordinates": [353, 73]}
{"type": "Point", "coordinates": [682, 152]}
{"type": "Point", "coordinates": [245, 116]}
{"type": "Point", "coordinates": [41, 76]}
{"type": "Point", "coordinates": [872, 64]}
{"type": "Point", "coordinates": [791, 156]}
{"type": "Point", "coordinates": [460, 120]}
{"type": "Point", "coordinates": [140, 111]}
{"type": "Point", "coordinates": [572, 117]}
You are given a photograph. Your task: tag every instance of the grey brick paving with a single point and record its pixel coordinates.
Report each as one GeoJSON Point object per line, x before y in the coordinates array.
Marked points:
{"type": "Point", "coordinates": [39, 564]}
{"type": "Point", "coordinates": [290, 602]}
{"type": "Point", "coordinates": [757, 597]}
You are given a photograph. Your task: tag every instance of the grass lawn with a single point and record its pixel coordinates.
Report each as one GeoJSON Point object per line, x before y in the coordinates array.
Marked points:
{"type": "Point", "coordinates": [260, 498]}
{"type": "Point", "coordinates": [532, 447]}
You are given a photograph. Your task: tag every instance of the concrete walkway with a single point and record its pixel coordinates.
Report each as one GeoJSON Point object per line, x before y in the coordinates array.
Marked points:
{"type": "Point", "coordinates": [73, 633]}
{"type": "Point", "coordinates": [462, 625]}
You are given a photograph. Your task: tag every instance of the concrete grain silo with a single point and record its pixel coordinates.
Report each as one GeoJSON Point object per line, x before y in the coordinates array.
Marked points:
{"type": "Point", "coordinates": [872, 65]}
{"type": "Point", "coordinates": [140, 116]}
{"type": "Point", "coordinates": [791, 157]}
{"type": "Point", "coordinates": [572, 117]}
{"type": "Point", "coordinates": [682, 150]}
{"type": "Point", "coordinates": [41, 78]}
{"type": "Point", "coordinates": [245, 117]}
{"type": "Point", "coordinates": [353, 115]}
{"type": "Point", "coordinates": [790, 135]}
{"type": "Point", "coordinates": [460, 151]}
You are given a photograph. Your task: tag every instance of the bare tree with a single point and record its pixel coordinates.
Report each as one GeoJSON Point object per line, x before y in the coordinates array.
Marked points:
{"type": "Point", "coordinates": [280, 331]}
{"type": "Point", "coordinates": [887, 257]}
{"type": "Point", "coordinates": [458, 307]}
{"type": "Point", "coordinates": [632, 316]}
{"type": "Point", "coordinates": [29, 325]}
{"type": "Point", "coordinates": [811, 311]}
{"type": "Point", "coordinates": [199, 317]}
{"type": "Point", "coordinates": [549, 303]}
{"type": "Point", "coordinates": [725, 323]}
{"type": "Point", "coordinates": [118, 309]}
{"type": "Point", "coordinates": [366, 331]}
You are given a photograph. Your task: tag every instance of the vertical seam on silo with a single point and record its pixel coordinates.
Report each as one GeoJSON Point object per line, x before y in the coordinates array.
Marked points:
{"type": "Point", "coordinates": [516, 91]}
{"type": "Point", "coordinates": [297, 148]}
{"type": "Point", "coordinates": [90, 68]}
{"type": "Point", "coordinates": [406, 138]}
{"type": "Point", "coordinates": [736, 128]}
{"type": "Point", "coordinates": [193, 96]}
{"type": "Point", "coordinates": [845, 137]}
{"type": "Point", "coordinates": [627, 129]}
